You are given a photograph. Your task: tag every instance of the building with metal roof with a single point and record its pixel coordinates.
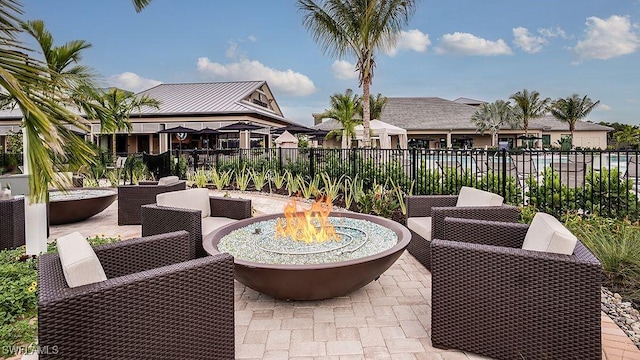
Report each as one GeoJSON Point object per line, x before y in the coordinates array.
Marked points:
{"type": "Point", "coordinates": [439, 123]}
{"type": "Point", "coordinates": [192, 105]}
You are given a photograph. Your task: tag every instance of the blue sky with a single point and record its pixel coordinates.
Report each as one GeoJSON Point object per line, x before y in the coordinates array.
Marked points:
{"type": "Point", "coordinates": [484, 50]}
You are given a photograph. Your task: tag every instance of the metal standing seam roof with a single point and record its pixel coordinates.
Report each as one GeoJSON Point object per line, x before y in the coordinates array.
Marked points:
{"type": "Point", "coordinates": [205, 98]}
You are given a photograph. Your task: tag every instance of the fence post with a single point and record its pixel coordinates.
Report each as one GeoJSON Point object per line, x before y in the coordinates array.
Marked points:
{"type": "Point", "coordinates": [414, 165]}
{"type": "Point", "coordinates": [353, 162]}
{"type": "Point", "coordinates": [312, 168]}
{"type": "Point", "coordinates": [504, 174]}
{"type": "Point", "coordinates": [280, 160]}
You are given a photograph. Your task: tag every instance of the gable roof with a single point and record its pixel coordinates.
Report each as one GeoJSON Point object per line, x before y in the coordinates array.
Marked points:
{"type": "Point", "coordinates": [469, 101]}
{"type": "Point", "coordinates": [212, 98]}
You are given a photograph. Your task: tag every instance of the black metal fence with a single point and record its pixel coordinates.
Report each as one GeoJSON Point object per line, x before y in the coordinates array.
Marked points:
{"type": "Point", "coordinates": [604, 182]}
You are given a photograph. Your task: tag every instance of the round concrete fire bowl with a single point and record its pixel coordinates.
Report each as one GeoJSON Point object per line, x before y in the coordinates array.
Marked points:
{"type": "Point", "coordinates": [78, 204]}
{"type": "Point", "coordinates": [293, 280]}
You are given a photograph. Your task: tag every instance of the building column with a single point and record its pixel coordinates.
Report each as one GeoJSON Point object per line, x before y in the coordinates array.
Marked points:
{"type": "Point", "coordinates": [150, 149]}
{"type": "Point", "coordinates": [449, 140]}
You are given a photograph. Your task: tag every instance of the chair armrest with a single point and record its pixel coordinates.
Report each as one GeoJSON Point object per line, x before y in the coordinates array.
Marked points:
{"type": "Point", "coordinates": [505, 213]}
{"type": "Point", "coordinates": [145, 253]}
{"type": "Point", "coordinates": [420, 205]}
{"type": "Point", "coordinates": [232, 208]}
{"type": "Point", "coordinates": [163, 219]}
{"type": "Point", "coordinates": [496, 233]}
{"type": "Point", "coordinates": [153, 312]}
{"type": "Point", "coordinates": [132, 197]}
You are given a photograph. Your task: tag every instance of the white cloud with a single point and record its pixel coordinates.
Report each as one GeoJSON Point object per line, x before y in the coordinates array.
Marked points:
{"type": "Point", "coordinates": [233, 51]}
{"type": "Point", "coordinates": [468, 44]}
{"type": "Point", "coordinates": [607, 38]}
{"type": "Point", "coordinates": [286, 81]}
{"type": "Point", "coordinates": [252, 38]}
{"type": "Point", "coordinates": [553, 32]}
{"type": "Point", "coordinates": [132, 82]}
{"type": "Point", "coordinates": [344, 70]}
{"type": "Point", "coordinates": [603, 107]}
{"type": "Point", "coordinates": [414, 40]}
{"type": "Point", "coordinates": [523, 39]}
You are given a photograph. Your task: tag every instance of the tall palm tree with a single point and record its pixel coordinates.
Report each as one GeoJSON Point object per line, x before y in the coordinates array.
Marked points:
{"type": "Point", "coordinates": [376, 105]}
{"type": "Point", "coordinates": [345, 109]}
{"type": "Point", "coordinates": [26, 80]}
{"type": "Point", "coordinates": [140, 4]}
{"type": "Point", "coordinates": [492, 117]}
{"type": "Point", "coordinates": [359, 29]}
{"type": "Point", "coordinates": [529, 106]}
{"type": "Point", "coordinates": [118, 105]}
{"type": "Point", "coordinates": [572, 109]}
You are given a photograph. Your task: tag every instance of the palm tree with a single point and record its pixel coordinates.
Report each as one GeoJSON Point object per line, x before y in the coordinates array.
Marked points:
{"type": "Point", "coordinates": [140, 4]}
{"type": "Point", "coordinates": [118, 105]}
{"type": "Point", "coordinates": [572, 109]}
{"type": "Point", "coordinates": [529, 106]}
{"type": "Point", "coordinates": [359, 29]}
{"type": "Point", "coordinates": [345, 109]}
{"type": "Point", "coordinates": [26, 81]}
{"type": "Point", "coordinates": [376, 105]}
{"type": "Point", "coordinates": [492, 117]}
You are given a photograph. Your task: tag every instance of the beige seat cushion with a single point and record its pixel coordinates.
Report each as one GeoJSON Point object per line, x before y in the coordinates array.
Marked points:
{"type": "Point", "coordinates": [474, 197]}
{"type": "Point", "coordinates": [194, 199]}
{"type": "Point", "coordinates": [547, 234]}
{"type": "Point", "coordinates": [421, 226]}
{"type": "Point", "coordinates": [211, 224]}
{"type": "Point", "coordinates": [80, 264]}
{"type": "Point", "coordinates": [168, 180]}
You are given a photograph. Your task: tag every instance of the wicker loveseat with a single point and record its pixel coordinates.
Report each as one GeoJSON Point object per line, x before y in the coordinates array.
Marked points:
{"type": "Point", "coordinates": [426, 213]}
{"type": "Point", "coordinates": [158, 302]}
{"type": "Point", "coordinates": [492, 297]}
{"type": "Point", "coordinates": [194, 211]}
{"type": "Point", "coordinates": [132, 197]}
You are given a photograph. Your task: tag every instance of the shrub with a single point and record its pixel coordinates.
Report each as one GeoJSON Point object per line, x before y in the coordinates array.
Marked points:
{"type": "Point", "coordinates": [607, 193]}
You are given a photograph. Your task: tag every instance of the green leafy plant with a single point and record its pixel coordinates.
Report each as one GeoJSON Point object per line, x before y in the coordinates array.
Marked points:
{"type": "Point", "coordinates": [332, 186]}
{"type": "Point", "coordinates": [309, 188]}
{"type": "Point", "coordinates": [347, 192]}
{"type": "Point", "coordinates": [279, 179]}
{"type": "Point", "coordinates": [293, 184]}
{"type": "Point", "coordinates": [199, 178]}
{"type": "Point", "coordinates": [220, 179]}
{"type": "Point", "coordinates": [400, 195]}
{"type": "Point", "coordinates": [243, 177]}
{"type": "Point", "coordinates": [260, 177]}
{"type": "Point", "coordinates": [114, 176]}
{"type": "Point", "coordinates": [606, 192]}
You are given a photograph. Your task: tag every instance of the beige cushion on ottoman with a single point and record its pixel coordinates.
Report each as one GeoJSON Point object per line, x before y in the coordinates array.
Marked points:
{"type": "Point", "coordinates": [168, 180]}
{"type": "Point", "coordinates": [421, 226]}
{"type": "Point", "coordinates": [194, 199]}
{"type": "Point", "coordinates": [474, 197]}
{"type": "Point", "coordinates": [80, 264]}
{"type": "Point", "coordinates": [547, 234]}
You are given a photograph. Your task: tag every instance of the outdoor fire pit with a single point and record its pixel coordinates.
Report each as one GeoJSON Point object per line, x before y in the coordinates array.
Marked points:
{"type": "Point", "coordinates": [357, 249]}
{"type": "Point", "coordinates": [78, 204]}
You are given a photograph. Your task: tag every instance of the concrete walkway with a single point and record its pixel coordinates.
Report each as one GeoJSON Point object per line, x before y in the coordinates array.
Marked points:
{"type": "Point", "coordinates": [387, 319]}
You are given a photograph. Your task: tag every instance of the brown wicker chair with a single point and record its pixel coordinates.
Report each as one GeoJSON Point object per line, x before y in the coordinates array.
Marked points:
{"type": "Point", "coordinates": [12, 229]}
{"type": "Point", "coordinates": [492, 298]}
{"type": "Point", "coordinates": [159, 302]}
{"type": "Point", "coordinates": [440, 206]}
{"type": "Point", "coordinates": [162, 219]}
{"type": "Point", "coordinates": [132, 197]}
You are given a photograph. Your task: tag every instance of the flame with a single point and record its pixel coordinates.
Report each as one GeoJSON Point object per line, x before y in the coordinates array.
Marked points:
{"type": "Point", "coordinates": [308, 225]}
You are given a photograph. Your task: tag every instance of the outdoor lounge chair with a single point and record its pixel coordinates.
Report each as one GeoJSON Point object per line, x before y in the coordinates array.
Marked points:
{"type": "Point", "coordinates": [426, 213]}
{"type": "Point", "coordinates": [158, 301]}
{"type": "Point", "coordinates": [571, 174]}
{"type": "Point", "coordinates": [12, 230]}
{"type": "Point", "coordinates": [132, 197]}
{"type": "Point", "coordinates": [494, 298]}
{"type": "Point", "coordinates": [194, 211]}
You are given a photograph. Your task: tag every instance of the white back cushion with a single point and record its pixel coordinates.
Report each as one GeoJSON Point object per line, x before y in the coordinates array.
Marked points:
{"type": "Point", "coordinates": [547, 234]}
{"type": "Point", "coordinates": [421, 226]}
{"type": "Point", "coordinates": [80, 264]}
{"type": "Point", "coordinates": [474, 197]}
{"type": "Point", "coordinates": [195, 199]}
{"type": "Point", "coordinates": [168, 180]}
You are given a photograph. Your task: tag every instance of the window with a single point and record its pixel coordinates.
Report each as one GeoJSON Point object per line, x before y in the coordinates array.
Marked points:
{"type": "Point", "coordinates": [546, 140]}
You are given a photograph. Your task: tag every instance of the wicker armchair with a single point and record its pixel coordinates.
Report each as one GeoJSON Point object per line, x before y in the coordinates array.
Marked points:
{"type": "Point", "coordinates": [162, 219]}
{"type": "Point", "coordinates": [12, 231]}
{"type": "Point", "coordinates": [159, 302]}
{"type": "Point", "coordinates": [440, 206]}
{"type": "Point", "coordinates": [132, 197]}
{"type": "Point", "coordinates": [493, 298]}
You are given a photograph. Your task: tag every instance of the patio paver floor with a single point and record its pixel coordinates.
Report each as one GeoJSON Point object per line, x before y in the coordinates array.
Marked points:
{"type": "Point", "coordinates": [387, 319]}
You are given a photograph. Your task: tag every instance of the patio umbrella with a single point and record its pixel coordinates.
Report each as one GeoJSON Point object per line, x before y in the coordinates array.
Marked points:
{"type": "Point", "coordinates": [318, 133]}
{"type": "Point", "coordinates": [208, 132]}
{"type": "Point", "coordinates": [293, 129]}
{"type": "Point", "coordinates": [181, 133]}
{"type": "Point", "coordinates": [240, 126]}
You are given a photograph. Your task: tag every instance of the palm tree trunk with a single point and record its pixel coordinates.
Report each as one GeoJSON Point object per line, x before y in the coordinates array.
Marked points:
{"type": "Point", "coordinates": [113, 148]}
{"type": "Point", "coordinates": [366, 115]}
